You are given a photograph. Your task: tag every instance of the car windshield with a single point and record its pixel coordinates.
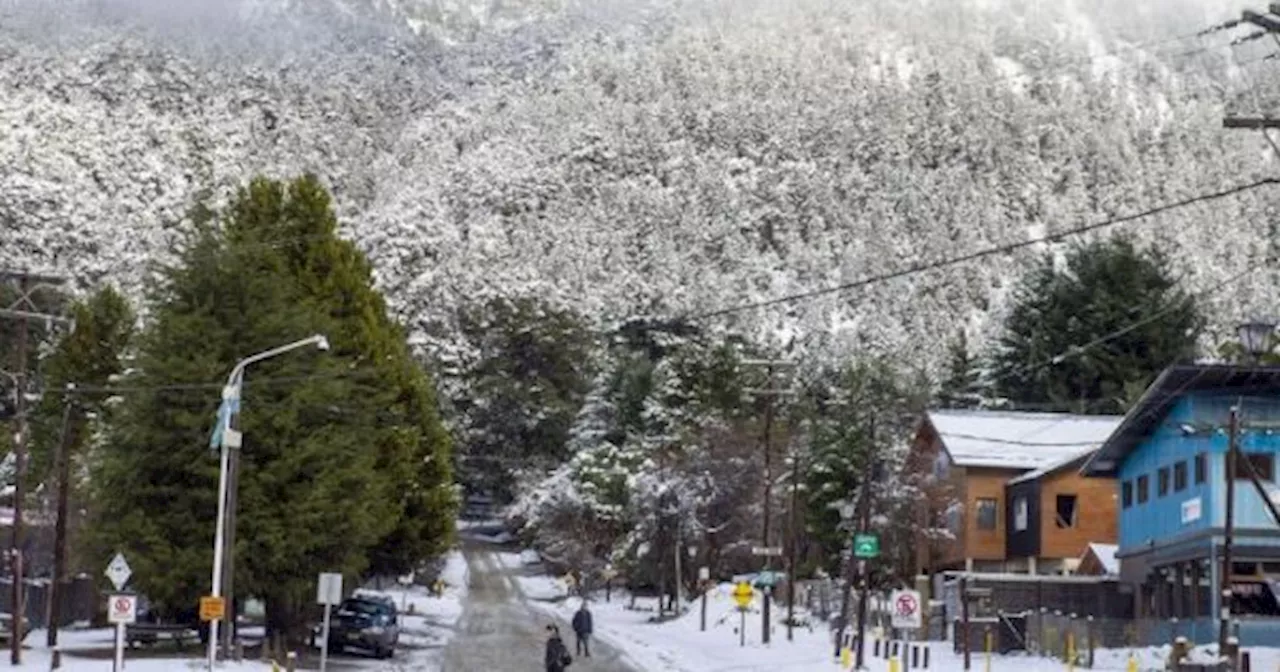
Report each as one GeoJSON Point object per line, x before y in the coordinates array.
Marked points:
{"type": "Point", "coordinates": [362, 607]}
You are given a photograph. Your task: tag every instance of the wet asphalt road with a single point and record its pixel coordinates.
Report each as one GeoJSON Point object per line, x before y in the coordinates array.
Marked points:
{"type": "Point", "coordinates": [500, 632]}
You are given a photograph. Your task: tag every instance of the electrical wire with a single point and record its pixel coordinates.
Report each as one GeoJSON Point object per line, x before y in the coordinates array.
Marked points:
{"type": "Point", "coordinates": [1006, 248]}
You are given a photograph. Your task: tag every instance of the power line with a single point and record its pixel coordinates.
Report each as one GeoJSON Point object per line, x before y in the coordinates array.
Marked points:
{"type": "Point", "coordinates": [980, 254]}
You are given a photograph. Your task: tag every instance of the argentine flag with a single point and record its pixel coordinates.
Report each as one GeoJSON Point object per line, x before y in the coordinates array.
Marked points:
{"type": "Point", "coordinates": [228, 408]}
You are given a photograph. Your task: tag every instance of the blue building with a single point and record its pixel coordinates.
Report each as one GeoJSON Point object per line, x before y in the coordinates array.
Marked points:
{"type": "Point", "coordinates": [1168, 457]}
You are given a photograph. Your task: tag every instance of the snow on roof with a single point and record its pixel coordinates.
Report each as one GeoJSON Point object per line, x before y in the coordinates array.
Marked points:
{"type": "Point", "coordinates": [1052, 467]}
{"type": "Point", "coordinates": [1015, 440]}
{"type": "Point", "coordinates": [1106, 555]}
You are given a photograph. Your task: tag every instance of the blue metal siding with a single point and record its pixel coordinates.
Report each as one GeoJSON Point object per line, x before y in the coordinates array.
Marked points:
{"type": "Point", "coordinates": [1205, 415]}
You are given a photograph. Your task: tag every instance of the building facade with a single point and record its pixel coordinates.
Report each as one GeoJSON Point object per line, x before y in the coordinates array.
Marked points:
{"type": "Point", "coordinates": [1168, 462]}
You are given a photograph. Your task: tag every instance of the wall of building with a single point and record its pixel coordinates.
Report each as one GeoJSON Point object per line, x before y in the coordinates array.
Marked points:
{"type": "Point", "coordinates": [981, 484]}
{"type": "Point", "coordinates": [1097, 501]}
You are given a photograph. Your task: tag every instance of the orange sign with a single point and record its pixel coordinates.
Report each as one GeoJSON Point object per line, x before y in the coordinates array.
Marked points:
{"type": "Point", "coordinates": [212, 608]}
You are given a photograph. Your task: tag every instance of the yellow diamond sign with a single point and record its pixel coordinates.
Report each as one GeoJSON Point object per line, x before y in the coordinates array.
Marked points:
{"type": "Point", "coordinates": [742, 594]}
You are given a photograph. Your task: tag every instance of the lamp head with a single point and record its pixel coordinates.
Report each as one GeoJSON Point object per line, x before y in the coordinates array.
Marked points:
{"type": "Point", "coordinates": [1255, 336]}
{"type": "Point", "coordinates": [322, 342]}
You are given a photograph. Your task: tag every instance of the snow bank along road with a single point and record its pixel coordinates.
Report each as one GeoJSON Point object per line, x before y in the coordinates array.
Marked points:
{"type": "Point", "coordinates": [499, 630]}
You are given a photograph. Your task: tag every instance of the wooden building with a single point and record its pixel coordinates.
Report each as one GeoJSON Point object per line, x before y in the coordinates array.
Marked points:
{"type": "Point", "coordinates": [1005, 487]}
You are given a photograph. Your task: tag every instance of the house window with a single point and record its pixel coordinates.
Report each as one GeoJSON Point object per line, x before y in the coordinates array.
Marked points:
{"type": "Point", "coordinates": [941, 466]}
{"type": "Point", "coordinates": [955, 517]}
{"type": "Point", "coordinates": [1066, 511]}
{"type": "Point", "coordinates": [1263, 463]}
{"type": "Point", "coordinates": [1020, 514]}
{"type": "Point", "coordinates": [1202, 468]}
{"type": "Point", "coordinates": [1162, 481]}
{"type": "Point", "coordinates": [1180, 477]}
{"type": "Point", "coordinates": [986, 514]}
{"type": "Point", "coordinates": [1144, 486]}
{"type": "Point", "coordinates": [1126, 494]}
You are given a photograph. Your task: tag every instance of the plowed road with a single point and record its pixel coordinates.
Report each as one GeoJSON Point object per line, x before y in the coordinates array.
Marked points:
{"type": "Point", "coordinates": [501, 631]}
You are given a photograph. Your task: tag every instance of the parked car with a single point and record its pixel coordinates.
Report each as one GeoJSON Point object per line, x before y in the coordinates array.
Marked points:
{"type": "Point", "coordinates": [366, 622]}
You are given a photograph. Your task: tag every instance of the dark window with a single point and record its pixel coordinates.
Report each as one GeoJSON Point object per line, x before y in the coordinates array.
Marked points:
{"type": "Point", "coordinates": [1202, 468]}
{"type": "Point", "coordinates": [1066, 511]}
{"type": "Point", "coordinates": [1180, 477]}
{"type": "Point", "coordinates": [986, 514]}
{"type": "Point", "coordinates": [1263, 463]}
{"type": "Point", "coordinates": [1126, 494]}
{"type": "Point", "coordinates": [1162, 481]}
{"type": "Point", "coordinates": [1143, 488]}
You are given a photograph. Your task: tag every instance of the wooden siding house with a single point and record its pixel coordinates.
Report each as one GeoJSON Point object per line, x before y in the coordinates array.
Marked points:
{"type": "Point", "coordinates": [1005, 487]}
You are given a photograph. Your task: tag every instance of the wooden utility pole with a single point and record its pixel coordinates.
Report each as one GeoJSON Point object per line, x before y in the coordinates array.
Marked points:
{"type": "Point", "coordinates": [1224, 626]}
{"type": "Point", "coordinates": [24, 310]}
{"type": "Point", "coordinates": [792, 540]}
{"type": "Point", "coordinates": [964, 618]}
{"type": "Point", "coordinates": [62, 474]}
{"type": "Point", "coordinates": [770, 392]}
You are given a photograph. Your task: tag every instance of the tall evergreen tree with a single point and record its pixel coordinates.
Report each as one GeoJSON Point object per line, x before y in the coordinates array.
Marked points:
{"type": "Point", "coordinates": [344, 465]}
{"type": "Point", "coordinates": [962, 388]}
{"type": "Point", "coordinates": [1106, 288]}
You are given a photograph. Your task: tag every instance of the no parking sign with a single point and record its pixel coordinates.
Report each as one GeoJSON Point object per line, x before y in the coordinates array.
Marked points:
{"type": "Point", "coordinates": [905, 608]}
{"type": "Point", "coordinates": [122, 609]}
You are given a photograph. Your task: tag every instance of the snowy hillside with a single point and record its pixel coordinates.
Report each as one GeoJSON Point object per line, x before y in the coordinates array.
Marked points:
{"type": "Point", "coordinates": [642, 156]}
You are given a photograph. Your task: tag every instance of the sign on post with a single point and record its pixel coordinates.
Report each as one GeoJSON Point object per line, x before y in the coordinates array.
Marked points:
{"type": "Point", "coordinates": [328, 593]}
{"type": "Point", "coordinates": [742, 595]}
{"type": "Point", "coordinates": [212, 608]}
{"type": "Point", "coordinates": [121, 610]}
{"type": "Point", "coordinates": [766, 550]}
{"type": "Point", "coordinates": [118, 571]}
{"type": "Point", "coordinates": [866, 546]}
{"type": "Point", "coordinates": [905, 609]}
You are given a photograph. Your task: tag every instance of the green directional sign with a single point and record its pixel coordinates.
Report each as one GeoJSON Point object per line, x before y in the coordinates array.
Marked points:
{"type": "Point", "coordinates": [866, 546]}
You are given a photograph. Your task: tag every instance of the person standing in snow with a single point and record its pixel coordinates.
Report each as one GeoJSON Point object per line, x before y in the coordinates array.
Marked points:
{"type": "Point", "coordinates": [582, 627]}
{"type": "Point", "coordinates": [557, 656]}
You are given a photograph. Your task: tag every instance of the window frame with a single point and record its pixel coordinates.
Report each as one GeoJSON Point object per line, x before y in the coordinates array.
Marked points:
{"type": "Point", "coordinates": [978, 506]}
{"type": "Point", "coordinates": [1201, 468]}
{"type": "Point", "coordinates": [1126, 494]}
{"type": "Point", "coordinates": [1180, 476]}
{"type": "Point", "coordinates": [1263, 463]}
{"type": "Point", "coordinates": [1144, 489]}
{"type": "Point", "coordinates": [1021, 513]}
{"type": "Point", "coordinates": [1075, 511]}
{"type": "Point", "coordinates": [1164, 478]}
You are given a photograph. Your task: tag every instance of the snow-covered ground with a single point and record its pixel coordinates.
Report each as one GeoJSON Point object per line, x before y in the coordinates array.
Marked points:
{"type": "Point", "coordinates": [680, 645]}
{"type": "Point", "coordinates": [427, 623]}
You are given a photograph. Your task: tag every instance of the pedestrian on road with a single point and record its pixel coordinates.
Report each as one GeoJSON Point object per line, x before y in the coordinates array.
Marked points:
{"type": "Point", "coordinates": [582, 627]}
{"type": "Point", "coordinates": [557, 654]}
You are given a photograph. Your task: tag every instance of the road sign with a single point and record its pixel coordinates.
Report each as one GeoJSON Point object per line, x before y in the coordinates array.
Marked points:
{"type": "Point", "coordinates": [766, 550]}
{"type": "Point", "coordinates": [329, 589]}
{"type": "Point", "coordinates": [704, 573]}
{"type": "Point", "coordinates": [866, 546]}
{"type": "Point", "coordinates": [122, 609]}
{"type": "Point", "coordinates": [742, 594]}
{"type": "Point", "coordinates": [905, 610]}
{"type": "Point", "coordinates": [212, 608]}
{"type": "Point", "coordinates": [118, 571]}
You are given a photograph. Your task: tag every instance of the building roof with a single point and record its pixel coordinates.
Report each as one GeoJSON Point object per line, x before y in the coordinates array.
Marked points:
{"type": "Point", "coordinates": [1106, 555]}
{"type": "Point", "coordinates": [1174, 383]}
{"type": "Point", "coordinates": [1019, 441]}
{"type": "Point", "coordinates": [1054, 467]}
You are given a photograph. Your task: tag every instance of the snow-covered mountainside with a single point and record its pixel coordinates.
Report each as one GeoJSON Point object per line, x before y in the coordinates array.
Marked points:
{"type": "Point", "coordinates": [644, 155]}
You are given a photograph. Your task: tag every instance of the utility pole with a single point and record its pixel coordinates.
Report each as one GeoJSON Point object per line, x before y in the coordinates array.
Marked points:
{"type": "Point", "coordinates": [62, 469]}
{"type": "Point", "coordinates": [229, 554]}
{"type": "Point", "coordinates": [769, 392]}
{"type": "Point", "coordinates": [792, 542]}
{"type": "Point", "coordinates": [863, 514]}
{"type": "Point", "coordinates": [1233, 433]}
{"type": "Point", "coordinates": [23, 309]}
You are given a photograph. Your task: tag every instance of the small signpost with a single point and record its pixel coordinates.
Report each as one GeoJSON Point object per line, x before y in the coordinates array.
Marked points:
{"type": "Point", "coordinates": [121, 609]}
{"type": "Point", "coordinates": [769, 551]}
{"type": "Point", "coordinates": [212, 608]}
{"type": "Point", "coordinates": [704, 578]}
{"type": "Point", "coordinates": [742, 594]}
{"type": "Point", "coordinates": [329, 594]}
{"type": "Point", "coordinates": [406, 581]}
{"type": "Point", "coordinates": [866, 546]}
{"type": "Point", "coordinates": [905, 610]}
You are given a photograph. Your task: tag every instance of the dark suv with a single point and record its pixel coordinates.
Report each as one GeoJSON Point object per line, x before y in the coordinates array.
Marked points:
{"type": "Point", "coordinates": [365, 622]}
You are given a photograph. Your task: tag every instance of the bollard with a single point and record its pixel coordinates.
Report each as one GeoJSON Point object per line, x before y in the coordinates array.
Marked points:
{"type": "Point", "coordinates": [988, 647]}
{"type": "Point", "coordinates": [291, 662]}
{"type": "Point", "coordinates": [915, 655]}
{"type": "Point", "coordinates": [1133, 664]}
{"type": "Point", "coordinates": [893, 665]}
{"type": "Point", "coordinates": [926, 656]}
{"type": "Point", "coordinates": [1245, 664]}
{"type": "Point", "coordinates": [846, 658]}
{"type": "Point", "coordinates": [239, 651]}
{"type": "Point", "coordinates": [1071, 652]}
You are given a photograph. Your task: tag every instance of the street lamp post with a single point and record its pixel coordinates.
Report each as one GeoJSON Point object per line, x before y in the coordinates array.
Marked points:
{"type": "Point", "coordinates": [230, 439]}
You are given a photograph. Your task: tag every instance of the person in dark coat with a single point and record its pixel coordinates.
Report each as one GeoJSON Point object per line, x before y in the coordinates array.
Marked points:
{"type": "Point", "coordinates": [582, 627]}
{"type": "Point", "coordinates": [557, 654]}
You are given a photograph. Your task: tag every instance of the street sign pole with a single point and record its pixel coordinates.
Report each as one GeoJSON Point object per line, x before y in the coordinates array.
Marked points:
{"type": "Point", "coordinates": [328, 593]}
{"type": "Point", "coordinates": [121, 610]}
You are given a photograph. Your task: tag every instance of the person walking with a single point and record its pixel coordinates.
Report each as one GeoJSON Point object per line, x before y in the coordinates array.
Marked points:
{"type": "Point", "coordinates": [557, 656]}
{"type": "Point", "coordinates": [582, 627]}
